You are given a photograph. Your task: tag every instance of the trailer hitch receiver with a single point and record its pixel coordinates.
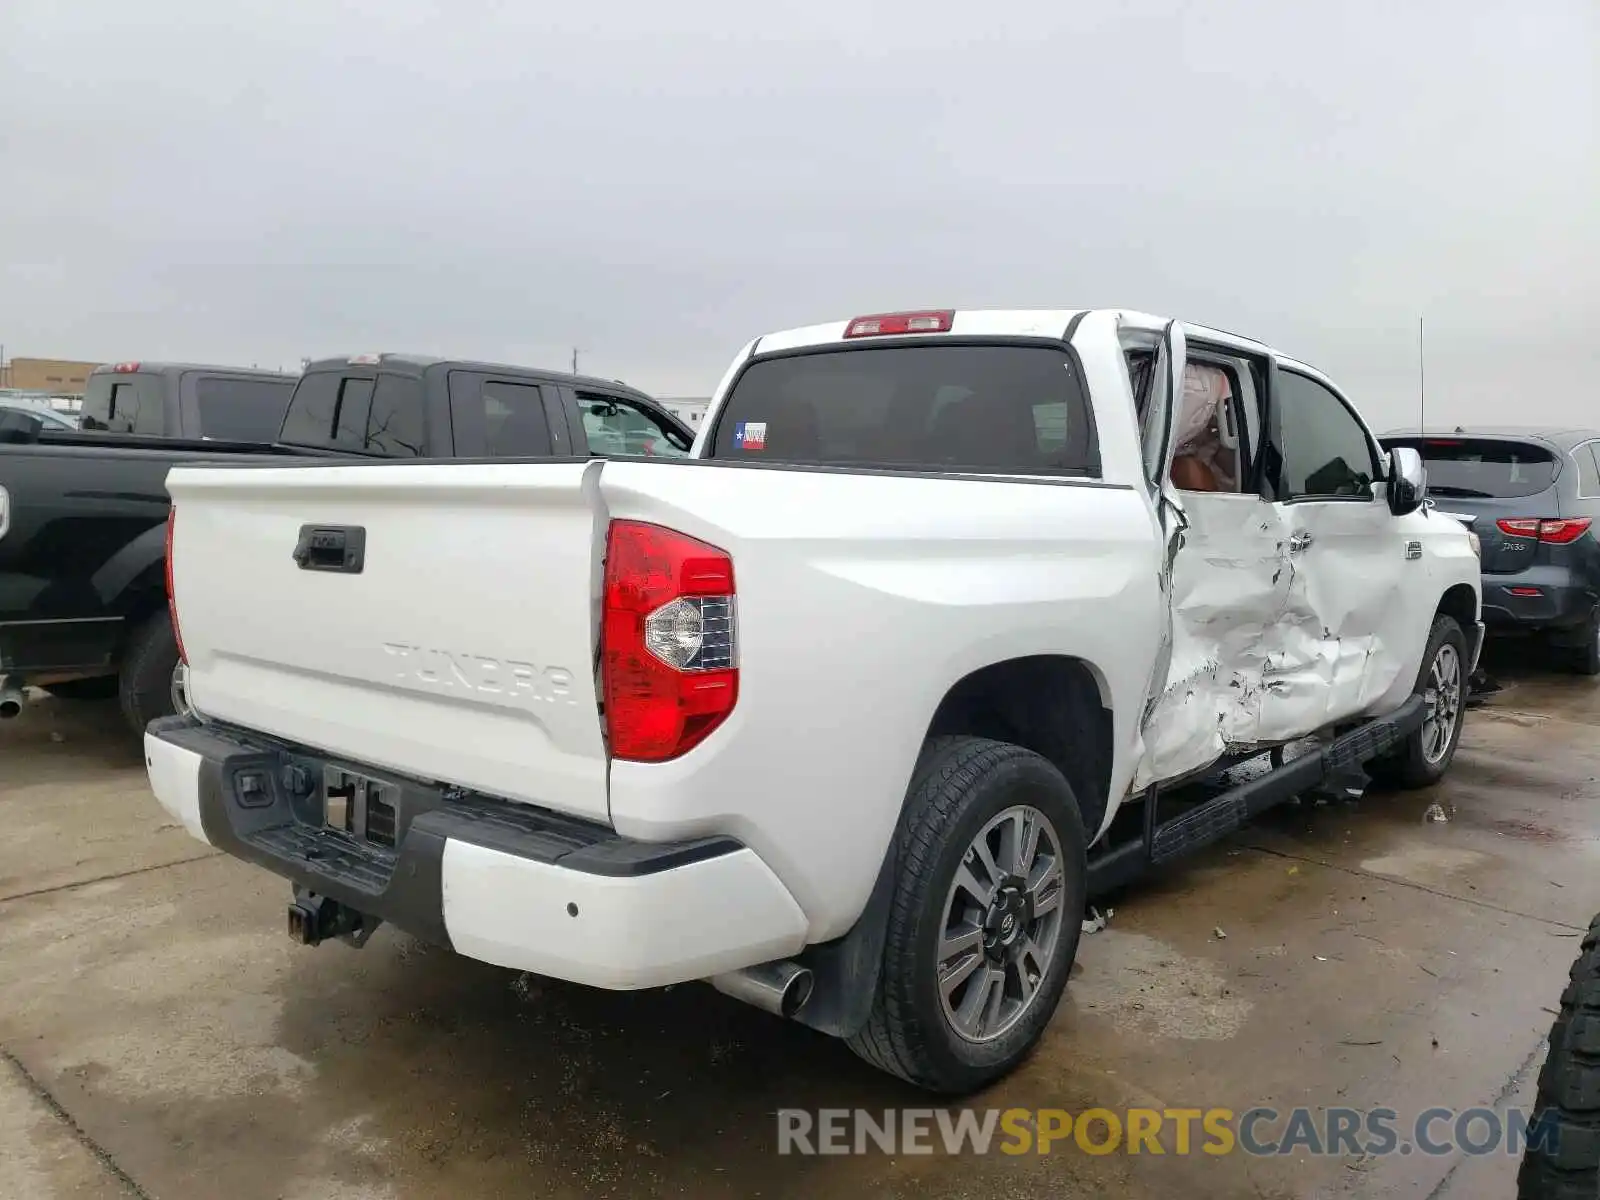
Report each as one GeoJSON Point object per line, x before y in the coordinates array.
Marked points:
{"type": "Point", "coordinates": [314, 919]}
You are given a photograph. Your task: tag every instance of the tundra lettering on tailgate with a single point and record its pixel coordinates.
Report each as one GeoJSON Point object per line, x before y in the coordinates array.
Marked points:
{"type": "Point", "coordinates": [453, 670]}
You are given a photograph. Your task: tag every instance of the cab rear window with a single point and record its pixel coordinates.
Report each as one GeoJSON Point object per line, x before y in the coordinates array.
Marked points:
{"type": "Point", "coordinates": [996, 407]}
{"type": "Point", "coordinates": [242, 410]}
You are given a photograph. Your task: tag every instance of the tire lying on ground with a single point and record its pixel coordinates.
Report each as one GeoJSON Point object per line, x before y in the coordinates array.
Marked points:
{"type": "Point", "coordinates": [1567, 1166]}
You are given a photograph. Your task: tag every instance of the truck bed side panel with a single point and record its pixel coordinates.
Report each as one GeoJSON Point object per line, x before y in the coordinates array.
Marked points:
{"type": "Point", "coordinates": [863, 598]}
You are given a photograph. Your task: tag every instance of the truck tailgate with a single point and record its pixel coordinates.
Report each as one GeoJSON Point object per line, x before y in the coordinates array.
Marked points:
{"type": "Point", "coordinates": [461, 650]}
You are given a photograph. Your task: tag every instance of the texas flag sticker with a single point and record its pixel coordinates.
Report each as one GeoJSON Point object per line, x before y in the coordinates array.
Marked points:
{"type": "Point", "coordinates": [750, 435]}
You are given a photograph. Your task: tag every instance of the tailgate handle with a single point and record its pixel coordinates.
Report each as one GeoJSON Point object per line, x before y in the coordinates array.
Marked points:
{"type": "Point", "coordinates": [340, 548]}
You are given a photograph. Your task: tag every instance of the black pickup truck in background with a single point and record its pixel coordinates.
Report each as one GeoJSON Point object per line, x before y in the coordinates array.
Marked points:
{"type": "Point", "coordinates": [187, 400]}
{"type": "Point", "coordinates": [83, 609]}
{"type": "Point", "coordinates": [404, 406]}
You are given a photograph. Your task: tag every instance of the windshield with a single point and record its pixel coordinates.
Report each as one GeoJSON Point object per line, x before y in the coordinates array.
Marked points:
{"type": "Point", "coordinates": [1482, 468]}
{"type": "Point", "coordinates": [987, 407]}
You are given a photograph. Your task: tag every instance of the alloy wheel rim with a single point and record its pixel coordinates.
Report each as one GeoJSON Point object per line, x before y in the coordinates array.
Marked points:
{"type": "Point", "coordinates": [1001, 926]}
{"type": "Point", "coordinates": [1441, 704]}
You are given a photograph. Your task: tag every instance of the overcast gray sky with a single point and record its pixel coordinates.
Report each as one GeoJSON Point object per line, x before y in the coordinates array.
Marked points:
{"type": "Point", "coordinates": [257, 180]}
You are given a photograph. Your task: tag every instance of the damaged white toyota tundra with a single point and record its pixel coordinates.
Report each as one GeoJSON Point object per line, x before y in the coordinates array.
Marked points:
{"type": "Point", "coordinates": [951, 620]}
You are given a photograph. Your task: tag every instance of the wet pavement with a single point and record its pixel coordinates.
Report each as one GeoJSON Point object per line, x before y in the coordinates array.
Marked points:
{"type": "Point", "coordinates": [160, 1036]}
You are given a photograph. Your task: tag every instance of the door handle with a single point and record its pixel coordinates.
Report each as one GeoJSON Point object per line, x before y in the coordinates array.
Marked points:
{"type": "Point", "coordinates": [339, 548]}
{"type": "Point", "coordinates": [1298, 542]}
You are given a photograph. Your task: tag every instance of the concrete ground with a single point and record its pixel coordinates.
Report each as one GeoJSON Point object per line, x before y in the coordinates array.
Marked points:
{"type": "Point", "coordinates": [160, 1036]}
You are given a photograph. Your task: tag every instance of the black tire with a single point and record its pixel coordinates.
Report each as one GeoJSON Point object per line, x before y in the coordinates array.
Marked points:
{"type": "Point", "coordinates": [102, 687]}
{"type": "Point", "coordinates": [144, 685]}
{"type": "Point", "coordinates": [960, 784]}
{"type": "Point", "coordinates": [1568, 1167]}
{"type": "Point", "coordinates": [1584, 658]}
{"type": "Point", "coordinates": [1408, 766]}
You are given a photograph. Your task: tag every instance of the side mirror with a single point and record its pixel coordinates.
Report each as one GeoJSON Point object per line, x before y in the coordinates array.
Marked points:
{"type": "Point", "coordinates": [1408, 481]}
{"type": "Point", "coordinates": [17, 427]}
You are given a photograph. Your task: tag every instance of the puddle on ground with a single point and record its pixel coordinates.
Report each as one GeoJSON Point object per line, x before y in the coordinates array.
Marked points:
{"type": "Point", "coordinates": [1147, 988]}
{"type": "Point", "coordinates": [1527, 831]}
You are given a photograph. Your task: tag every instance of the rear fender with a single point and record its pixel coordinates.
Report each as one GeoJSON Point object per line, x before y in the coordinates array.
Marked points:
{"type": "Point", "coordinates": [132, 579]}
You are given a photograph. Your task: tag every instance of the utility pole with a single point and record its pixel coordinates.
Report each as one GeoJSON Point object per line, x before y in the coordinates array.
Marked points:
{"type": "Point", "coordinates": [574, 360]}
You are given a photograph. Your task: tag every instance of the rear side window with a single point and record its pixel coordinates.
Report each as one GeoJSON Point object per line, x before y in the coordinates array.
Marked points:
{"type": "Point", "coordinates": [514, 424]}
{"type": "Point", "coordinates": [1483, 468]}
{"type": "Point", "coordinates": [994, 407]}
{"type": "Point", "coordinates": [124, 403]}
{"type": "Point", "coordinates": [242, 410]}
{"type": "Point", "coordinates": [1588, 470]}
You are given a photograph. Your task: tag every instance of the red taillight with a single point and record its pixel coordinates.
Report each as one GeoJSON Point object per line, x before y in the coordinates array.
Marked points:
{"type": "Point", "coordinates": [125, 368]}
{"type": "Point", "coordinates": [1557, 531]}
{"type": "Point", "coordinates": [670, 660]}
{"type": "Point", "coordinates": [172, 600]}
{"type": "Point", "coordinates": [1525, 591]}
{"type": "Point", "coordinates": [888, 324]}
{"type": "Point", "coordinates": [1563, 531]}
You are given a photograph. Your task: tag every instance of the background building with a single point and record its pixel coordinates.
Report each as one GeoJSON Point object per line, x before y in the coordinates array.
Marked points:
{"type": "Point", "coordinates": [690, 410]}
{"type": "Point", "coordinates": [57, 376]}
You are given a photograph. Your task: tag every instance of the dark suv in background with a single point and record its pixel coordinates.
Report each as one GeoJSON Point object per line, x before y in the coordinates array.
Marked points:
{"type": "Point", "coordinates": [1533, 498]}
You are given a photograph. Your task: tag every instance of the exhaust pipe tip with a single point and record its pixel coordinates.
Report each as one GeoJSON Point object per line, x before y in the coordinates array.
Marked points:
{"type": "Point", "coordinates": [780, 988]}
{"type": "Point", "coordinates": [796, 994]}
{"type": "Point", "coordinates": [10, 706]}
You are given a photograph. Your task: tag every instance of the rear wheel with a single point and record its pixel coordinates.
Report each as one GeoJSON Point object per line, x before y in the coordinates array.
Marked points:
{"type": "Point", "coordinates": [1567, 1165]}
{"type": "Point", "coordinates": [985, 919]}
{"type": "Point", "coordinates": [144, 685]}
{"type": "Point", "coordinates": [1424, 757]}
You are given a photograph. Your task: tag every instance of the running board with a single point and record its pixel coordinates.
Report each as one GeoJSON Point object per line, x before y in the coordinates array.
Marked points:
{"type": "Point", "coordinates": [1216, 818]}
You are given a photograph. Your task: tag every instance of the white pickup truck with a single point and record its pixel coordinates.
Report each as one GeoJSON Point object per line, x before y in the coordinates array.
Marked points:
{"type": "Point", "coordinates": [950, 621]}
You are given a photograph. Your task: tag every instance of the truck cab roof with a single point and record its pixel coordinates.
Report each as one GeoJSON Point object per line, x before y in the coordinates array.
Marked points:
{"type": "Point", "coordinates": [417, 364]}
{"type": "Point", "coordinates": [143, 367]}
{"type": "Point", "coordinates": [1006, 323]}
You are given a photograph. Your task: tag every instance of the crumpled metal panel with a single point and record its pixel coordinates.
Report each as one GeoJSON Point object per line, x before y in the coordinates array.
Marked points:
{"type": "Point", "coordinates": [1271, 645]}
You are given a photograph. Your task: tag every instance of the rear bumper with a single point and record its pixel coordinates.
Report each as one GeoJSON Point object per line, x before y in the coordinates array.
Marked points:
{"type": "Point", "coordinates": [505, 883]}
{"type": "Point", "coordinates": [1541, 597]}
